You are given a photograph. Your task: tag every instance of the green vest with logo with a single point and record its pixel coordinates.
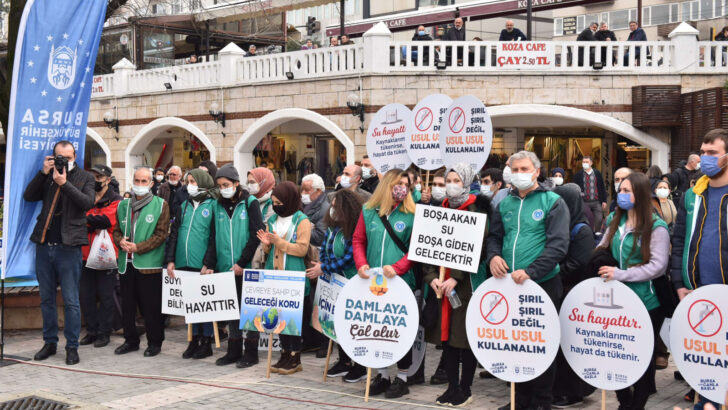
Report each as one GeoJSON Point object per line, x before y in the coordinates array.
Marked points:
{"type": "Point", "coordinates": [628, 255]}
{"type": "Point", "coordinates": [524, 225]}
{"type": "Point", "coordinates": [339, 245]}
{"type": "Point", "coordinates": [292, 263]}
{"type": "Point", "coordinates": [231, 233]}
{"type": "Point", "coordinates": [381, 249]}
{"type": "Point", "coordinates": [143, 227]}
{"type": "Point", "coordinates": [194, 234]}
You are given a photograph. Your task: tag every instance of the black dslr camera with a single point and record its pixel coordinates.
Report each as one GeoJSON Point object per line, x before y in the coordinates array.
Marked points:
{"type": "Point", "coordinates": [61, 163]}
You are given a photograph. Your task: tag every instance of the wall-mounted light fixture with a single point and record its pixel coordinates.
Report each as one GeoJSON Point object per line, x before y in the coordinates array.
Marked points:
{"type": "Point", "coordinates": [353, 101]}
{"type": "Point", "coordinates": [217, 115]}
{"type": "Point", "coordinates": [112, 121]}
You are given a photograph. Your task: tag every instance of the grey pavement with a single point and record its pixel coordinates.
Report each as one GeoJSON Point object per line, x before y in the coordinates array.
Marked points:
{"type": "Point", "coordinates": [104, 380]}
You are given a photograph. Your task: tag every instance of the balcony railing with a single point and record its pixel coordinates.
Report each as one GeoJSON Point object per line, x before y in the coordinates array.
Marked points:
{"type": "Point", "coordinates": [378, 53]}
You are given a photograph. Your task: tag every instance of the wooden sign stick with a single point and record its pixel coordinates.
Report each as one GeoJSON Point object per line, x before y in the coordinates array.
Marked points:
{"type": "Point", "coordinates": [216, 332]}
{"type": "Point", "coordinates": [189, 332]}
{"type": "Point", "coordinates": [270, 353]}
{"type": "Point", "coordinates": [604, 400]}
{"type": "Point", "coordinates": [328, 356]}
{"type": "Point", "coordinates": [442, 279]}
{"type": "Point", "coordinates": [369, 380]}
{"type": "Point", "coordinates": [513, 396]}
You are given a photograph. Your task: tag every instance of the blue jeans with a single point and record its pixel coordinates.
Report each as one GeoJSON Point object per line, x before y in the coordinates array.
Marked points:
{"type": "Point", "coordinates": [59, 265]}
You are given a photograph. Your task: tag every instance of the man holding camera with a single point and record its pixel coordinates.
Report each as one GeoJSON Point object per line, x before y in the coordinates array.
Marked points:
{"type": "Point", "coordinates": [67, 192]}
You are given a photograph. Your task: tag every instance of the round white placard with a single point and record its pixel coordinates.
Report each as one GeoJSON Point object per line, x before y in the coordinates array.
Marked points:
{"type": "Point", "coordinates": [387, 138]}
{"type": "Point", "coordinates": [606, 334]}
{"type": "Point", "coordinates": [512, 329]}
{"type": "Point", "coordinates": [423, 140]}
{"type": "Point", "coordinates": [376, 320]}
{"type": "Point", "coordinates": [699, 340]}
{"type": "Point", "coordinates": [466, 133]}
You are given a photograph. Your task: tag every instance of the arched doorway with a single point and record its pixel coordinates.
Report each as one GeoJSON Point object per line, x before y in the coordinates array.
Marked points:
{"type": "Point", "coordinates": [96, 151]}
{"type": "Point", "coordinates": [287, 137]}
{"type": "Point", "coordinates": [555, 116]}
{"type": "Point", "coordinates": [167, 141]}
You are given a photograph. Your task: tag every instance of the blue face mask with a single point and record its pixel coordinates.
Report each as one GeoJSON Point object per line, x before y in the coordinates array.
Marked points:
{"type": "Point", "coordinates": [421, 33]}
{"type": "Point", "coordinates": [624, 201]}
{"type": "Point", "coordinates": [709, 165]}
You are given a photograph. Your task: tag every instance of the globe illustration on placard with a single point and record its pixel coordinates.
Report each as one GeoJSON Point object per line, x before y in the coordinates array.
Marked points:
{"type": "Point", "coordinates": [270, 318]}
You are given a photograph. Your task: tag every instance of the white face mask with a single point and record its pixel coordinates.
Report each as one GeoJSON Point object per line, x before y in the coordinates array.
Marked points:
{"type": "Point", "coordinates": [453, 190]}
{"type": "Point", "coordinates": [331, 213]}
{"type": "Point", "coordinates": [265, 197]}
{"type": "Point", "coordinates": [616, 187]}
{"type": "Point", "coordinates": [192, 189]}
{"type": "Point", "coordinates": [306, 199]}
{"type": "Point", "coordinates": [140, 190]}
{"type": "Point", "coordinates": [485, 190]}
{"type": "Point", "coordinates": [173, 183]}
{"type": "Point", "coordinates": [345, 181]}
{"type": "Point", "coordinates": [696, 167]}
{"type": "Point", "coordinates": [438, 193]}
{"type": "Point", "coordinates": [662, 193]}
{"type": "Point", "coordinates": [507, 175]}
{"type": "Point", "coordinates": [558, 181]}
{"type": "Point", "coordinates": [253, 188]}
{"type": "Point", "coordinates": [71, 165]}
{"type": "Point", "coordinates": [366, 173]}
{"type": "Point", "coordinates": [418, 187]}
{"type": "Point", "coordinates": [586, 166]}
{"type": "Point", "coordinates": [228, 192]}
{"type": "Point", "coordinates": [159, 178]}
{"type": "Point", "coordinates": [522, 180]}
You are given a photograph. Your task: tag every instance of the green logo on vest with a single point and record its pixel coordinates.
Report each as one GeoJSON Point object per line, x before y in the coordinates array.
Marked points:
{"type": "Point", "coordinates": [537, 215]}
{"type": "Point", "coordinates": [399, 226]}
{"type": "Point", "coordinates": [205, 213]}
{"type": "Point", "coordinates": [508, 216]}
{"type": "Point", "coordinates": [149, 218]}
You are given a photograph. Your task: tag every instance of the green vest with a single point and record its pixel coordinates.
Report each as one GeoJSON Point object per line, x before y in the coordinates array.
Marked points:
{"type": "Point", "coordinates": [266, 208]}
{"type": "Point", "coordinates": [231, 233]}
{"type": "Point", "coordinates": [292, 263]}
{"type": "Point", "coordinates": [144, 227]}
{"type": "Point", "coordinates": [193, 234]}
{"type": "Point", "coordinates": [381, 249]}
{"type": "Point", "coordinates": [339, 245]}
{"type": "Point", "coordinates": [524, 225]}
{"type": "Point", "coordinates": [624, 251]}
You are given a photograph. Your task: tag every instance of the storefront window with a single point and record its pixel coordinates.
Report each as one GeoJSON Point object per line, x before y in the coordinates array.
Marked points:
{"type": "Point", "coordinates": [115, 44]}
{"type": "Point", "coordinates": [158, 49]}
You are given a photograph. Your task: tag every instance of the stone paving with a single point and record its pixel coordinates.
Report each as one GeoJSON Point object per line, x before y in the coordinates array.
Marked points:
{"type": "Point", "coordinates": [168, 381]}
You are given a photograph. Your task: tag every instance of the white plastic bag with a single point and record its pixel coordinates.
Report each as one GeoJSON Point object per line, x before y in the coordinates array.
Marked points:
{"type": "Point", "coordinates": [102, 255]}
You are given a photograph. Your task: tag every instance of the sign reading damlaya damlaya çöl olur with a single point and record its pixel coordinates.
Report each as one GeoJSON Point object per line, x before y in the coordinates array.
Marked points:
{"type": "Point", "coordinates": [272, 301]}
{"type": "Point", "coordinates": [606, 334]}
{"type": "Point", "coordinates": [513, 330]}
{"type": "Point", "coordinates": [376, 320]}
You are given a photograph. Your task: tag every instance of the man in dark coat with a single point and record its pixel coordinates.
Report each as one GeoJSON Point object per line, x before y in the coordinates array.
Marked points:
{"type": "Point", "coordinates": [587, 35]}
{"type": "Point", "coordinates": [636, 34]}
{"type": "Point", "coordinates": [604, 34]}
{"type": "Point", "coordinates": [421, 35]}
{"type": "Point", "coordinates": [591, 183]}
{"type": "Point", "coordinates": [456, 33]}
{"type": "Point", "coordinates": [510, 33]}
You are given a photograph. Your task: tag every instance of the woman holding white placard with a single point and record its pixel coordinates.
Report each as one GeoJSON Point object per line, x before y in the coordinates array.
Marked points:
{"type": "Point", "coordinates": [456, 290]}
{"type": "Point", "coordinates": [639, 240]}
{"type": "Point", "coordinates": [374, 247]}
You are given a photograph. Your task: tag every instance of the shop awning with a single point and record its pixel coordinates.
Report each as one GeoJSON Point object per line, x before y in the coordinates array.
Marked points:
{"type": "Point", "coordinates": [233, 10]}
{"type": "Point", "coordinates": [476, 10]}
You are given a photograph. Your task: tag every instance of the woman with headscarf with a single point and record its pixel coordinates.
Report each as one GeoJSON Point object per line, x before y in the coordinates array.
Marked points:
{"type": "Point", "coordinates": [557, 176]}
{"type": "Point", "coordinates": [374, 248]}
{"type": "Point", "coordinates": [260, 184]}
{"type": "Point", "coordinates": [236, 218]}
{"type": "Point", "coordinates": [662, 203]}
{"type": "Point", "coordinates": [337, 256]}
{"type": "Point", "coordinates": [450, 329]}
{"type": "Point", "coordinates": [286, 242]}
{"type": "Point", "coordinates": [187, 251]}
{"type": "Point", "coordinates": [568, 388]}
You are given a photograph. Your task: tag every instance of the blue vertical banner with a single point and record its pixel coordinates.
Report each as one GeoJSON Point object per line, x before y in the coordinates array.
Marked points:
{"type": "Point", "coordinates": [51, 91]}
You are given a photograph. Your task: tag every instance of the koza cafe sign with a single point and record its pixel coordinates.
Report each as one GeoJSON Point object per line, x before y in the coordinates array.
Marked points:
{"type": "Point", "coordinates": [525, 55]}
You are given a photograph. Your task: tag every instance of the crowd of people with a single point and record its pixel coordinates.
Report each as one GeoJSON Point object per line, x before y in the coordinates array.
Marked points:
{"type": "Point", "coordinates": [661, 236]}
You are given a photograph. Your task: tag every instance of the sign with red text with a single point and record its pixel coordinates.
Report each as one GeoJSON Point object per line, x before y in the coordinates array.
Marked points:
{"type": "Point", "coordinates": [387, 138]}
{"type": "Point", "coordinates": [525, 55]}
{"type": "Point", "coordinates": [376, 319]}
{"type": "Point", "coordinates": [423, 140]}
{"type": "Point", "coordinates": [466, 133]}
{"type": "Point", "coordinates": [447, 237]}
{"type": "Point", "coordinates": [699, 340]}
{"type": "Point", "coordinates": [606, 334]}
{"type": "Point", "coordinates": [513, 329]}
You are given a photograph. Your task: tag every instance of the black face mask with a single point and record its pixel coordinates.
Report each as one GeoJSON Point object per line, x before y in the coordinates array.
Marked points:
{"type": "Point", "coordinates": [98, 186]}
{"type": "Point", "coordinates": [279, 209]}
